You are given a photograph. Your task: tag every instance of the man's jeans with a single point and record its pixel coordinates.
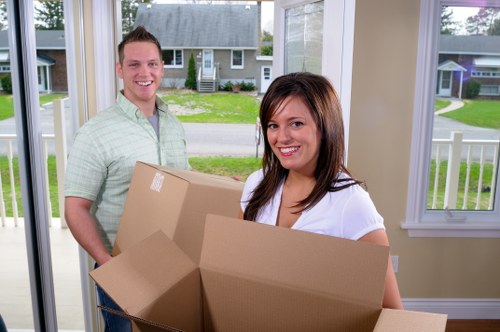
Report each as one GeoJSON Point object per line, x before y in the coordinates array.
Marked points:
{"type": "Point", "coordinates": [112, 322]}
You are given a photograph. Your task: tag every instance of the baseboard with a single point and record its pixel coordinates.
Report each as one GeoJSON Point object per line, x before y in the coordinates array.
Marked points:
{"type": "Point", "coordinates": [457, 308]}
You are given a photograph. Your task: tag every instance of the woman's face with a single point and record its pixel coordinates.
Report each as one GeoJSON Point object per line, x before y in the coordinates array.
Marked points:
{"type": "Point", "coordinates": [294, 136]}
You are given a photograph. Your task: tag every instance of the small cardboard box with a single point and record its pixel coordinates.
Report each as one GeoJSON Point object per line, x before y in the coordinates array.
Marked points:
{"type": "Point", "coordinates": [226, 274]}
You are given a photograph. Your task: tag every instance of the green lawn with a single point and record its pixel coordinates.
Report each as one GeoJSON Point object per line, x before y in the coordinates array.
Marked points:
{"type": "Point", "coordinates": [7, 103]}
{"type": "Point", "coordinates": [473, 185]}
{"type": "Point", "coordinates": [439, 104]}
{"type": "Point", "coordinates": [220, 107]}
{"type": "Point", "coordinates": [478, 113]}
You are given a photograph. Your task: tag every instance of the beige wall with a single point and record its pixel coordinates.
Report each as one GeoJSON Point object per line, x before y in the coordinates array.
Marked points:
{"type": "Point", "coordinates": [385, 46]}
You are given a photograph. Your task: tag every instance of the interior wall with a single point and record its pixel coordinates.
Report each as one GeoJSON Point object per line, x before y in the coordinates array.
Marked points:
{"type": "Point", "coordinates": [385, 47]}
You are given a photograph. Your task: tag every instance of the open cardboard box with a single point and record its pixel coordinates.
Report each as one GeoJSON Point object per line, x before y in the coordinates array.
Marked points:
{"type": "Point", "coordinates": [226, 274]}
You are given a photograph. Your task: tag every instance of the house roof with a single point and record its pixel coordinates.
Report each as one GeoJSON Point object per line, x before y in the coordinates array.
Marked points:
{"type": "Point", "coordinates": [201, 25]}
{"type": "Point", "coordinates": [474, 45]}
{"type": "Point", "coordinates": [45, 40]}
{"type": "Point", "coordinates": [449, 65]}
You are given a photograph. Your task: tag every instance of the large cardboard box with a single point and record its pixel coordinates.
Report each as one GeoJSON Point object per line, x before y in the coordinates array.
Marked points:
{"type": "Point", "coordinates": [227, 274]}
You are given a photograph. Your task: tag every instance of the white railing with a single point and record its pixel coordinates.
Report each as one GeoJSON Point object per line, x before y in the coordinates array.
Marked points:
{"type": "Point", "coordinates": [480, 152]}
{"type": "Point", "coordinates": [59, 141]}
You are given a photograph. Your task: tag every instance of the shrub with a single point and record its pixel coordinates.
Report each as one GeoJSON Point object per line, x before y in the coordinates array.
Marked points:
{"type": "Point", "coordinates": [191, 75]}
{"type": "Point", "coordinates": [6, 82]}
{"type": "Point", "coordinates": [472, 88]}
{"type": "Point", "coordinates": [247, 86]}
{"type": "Point", "coordinates": [228, 86]}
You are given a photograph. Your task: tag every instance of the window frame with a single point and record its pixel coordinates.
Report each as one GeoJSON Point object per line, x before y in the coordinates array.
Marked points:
{"type": "Point", "coordinates": [242, 66]}
{"type": "Point", "coordinates": [174, 51]}
{"type": "Point", "coordinates": [419, 221]}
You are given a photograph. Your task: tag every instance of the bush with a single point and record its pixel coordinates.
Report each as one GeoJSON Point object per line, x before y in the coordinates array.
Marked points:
{"type": "Point", "coordinates": [191, 76]}
{"type": "Point", "coordinates": [6, 82]}
{"type": "Point", "coordinates": [228, 86]}
{"type": "Point", "coordinates": [472, 88]}
{"type": "Point", "coordinates": [244, 86]}
{"type": "Point", "coordinates": [247, 86]}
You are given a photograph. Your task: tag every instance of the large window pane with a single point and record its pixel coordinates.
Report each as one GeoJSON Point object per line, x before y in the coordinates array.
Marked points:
{"type": "Point", "coordinates": [304, 38]}
{"type": "Point", "coordinates": [466, 128]}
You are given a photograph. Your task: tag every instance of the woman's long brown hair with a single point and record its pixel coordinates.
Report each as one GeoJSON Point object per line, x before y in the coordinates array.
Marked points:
{"type": "Point", "coordinates": [323, 103]}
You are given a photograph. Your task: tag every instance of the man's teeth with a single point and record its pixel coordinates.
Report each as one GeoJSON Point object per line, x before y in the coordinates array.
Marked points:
{"type": "Point", "coordinates": [145, 83]}
{"type": "Point", "coordinates": [289, 150]}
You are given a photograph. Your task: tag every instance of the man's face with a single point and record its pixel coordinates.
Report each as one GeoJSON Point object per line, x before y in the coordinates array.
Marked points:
{"type": "Point", "coordinates": [141, 71]}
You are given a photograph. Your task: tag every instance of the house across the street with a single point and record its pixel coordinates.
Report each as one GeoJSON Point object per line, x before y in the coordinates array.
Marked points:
{"type": "Point", "coordinates": [464, 58]}
{"type": "Point", "coordinates": [51, 59]}
{"type": "Point", "coordinates": [224, 40]}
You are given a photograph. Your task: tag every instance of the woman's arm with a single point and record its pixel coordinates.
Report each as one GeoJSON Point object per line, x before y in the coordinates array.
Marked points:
{"type": "Point", "coordinates": [392, 299]}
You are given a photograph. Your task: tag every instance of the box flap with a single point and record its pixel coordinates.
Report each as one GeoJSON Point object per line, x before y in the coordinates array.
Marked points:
{"type": "Point", "coordinates": [410, 321]}
{"type": "Point", "coordinates": [142, 282]}
{"type": "Point", "coordinates": [318, 279]}
{"type": "Point", "coordinates": [175, 201]}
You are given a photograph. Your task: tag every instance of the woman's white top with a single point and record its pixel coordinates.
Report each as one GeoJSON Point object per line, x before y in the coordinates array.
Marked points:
{"type": "Point", "coordinates": [348, 213]}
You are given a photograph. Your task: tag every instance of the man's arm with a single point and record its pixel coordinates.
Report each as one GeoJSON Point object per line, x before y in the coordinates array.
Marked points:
{"type": "Point", "coordinates": [84, 229]}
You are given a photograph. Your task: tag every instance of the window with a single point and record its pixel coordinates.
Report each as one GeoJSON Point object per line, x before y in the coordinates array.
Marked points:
{"type": "Point", "coordinates": [489, 90]}
{"type": "Point", "coordinates": [172, 58]}
{"type": "Point", "coordinates": [237, 59]}
{"type": "Point", "coordinates": [453, 176]}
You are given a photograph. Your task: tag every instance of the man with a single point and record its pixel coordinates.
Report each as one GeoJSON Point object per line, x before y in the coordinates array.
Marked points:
{"type": "Point", "coordinates": [137, 128]}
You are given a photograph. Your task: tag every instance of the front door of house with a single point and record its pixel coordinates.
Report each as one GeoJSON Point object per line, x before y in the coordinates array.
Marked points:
{"type": "Point", "coordinates": [445, 83]}
{"type": "Point", "coordinates": [265, 78]}
{"type": "Point", "coordinates": [208, 63]}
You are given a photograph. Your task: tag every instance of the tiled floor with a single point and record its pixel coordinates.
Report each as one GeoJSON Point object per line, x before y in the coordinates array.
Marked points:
{"type": "Point", "coordinates": [15, 298]}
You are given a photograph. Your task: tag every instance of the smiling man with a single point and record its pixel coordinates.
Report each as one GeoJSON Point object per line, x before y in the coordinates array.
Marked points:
{"type": "Point", "coordinates": [138, 127]}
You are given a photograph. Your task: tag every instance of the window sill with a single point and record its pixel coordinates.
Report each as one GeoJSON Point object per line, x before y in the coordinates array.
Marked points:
{"type": "Point", "coordinates": [452, 230]}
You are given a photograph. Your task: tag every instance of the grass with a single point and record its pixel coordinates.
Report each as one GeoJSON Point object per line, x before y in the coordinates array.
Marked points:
{"type": "Point", "coordinates": [485, 191]}
{"type": "Point", "coordinates": [220, 107]}
{"type": "Point", "coordinates": [439, 104]}
{"type": "Point", "coordinates": [7, 103]}
{"type": "Point", "coordinates": [240, 167]}
{"type": "Point", "coordinates": [478, 113]}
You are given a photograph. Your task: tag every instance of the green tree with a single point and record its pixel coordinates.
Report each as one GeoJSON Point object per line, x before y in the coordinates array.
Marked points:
{"type": "Point", "coordinates": [191, 75]}
{"type": "Point", "coordinates": [267, 43]}
{"type": "Point", "coordinates": [494, 29]}
{"type": "Point", "coordinates": [49, 15]}
{"type": "Point", "coordinates": [448, 25]}
{"type": "Point", "coordinates": [129, 12]}
{"type": "Point", "coordinates": [3, 15]}
{"type": "Point", "coordinates": [480, 23]}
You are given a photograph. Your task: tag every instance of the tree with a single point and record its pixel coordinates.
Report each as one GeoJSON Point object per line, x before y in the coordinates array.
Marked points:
{"type": "Point", "coordinates": [480, 23]}
{"type": "Point", "coordinates": [191, 75]}
{"type": "Point", "coordinates": [49, 15]}
{"type": "Point", "coordinates": [448, 25]}
{"type": "Point", "coordinates": [267, 43]}
{"type": "Point", "coordinates": [129, 13]}
{"type": "Point", "coordinates": [3, 15]}
{"type": "Point", "coordinates": [494, 29]}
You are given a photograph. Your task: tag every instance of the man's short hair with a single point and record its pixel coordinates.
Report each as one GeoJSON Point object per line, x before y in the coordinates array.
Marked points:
{"type": "Point", "coordinates": [139, 34]}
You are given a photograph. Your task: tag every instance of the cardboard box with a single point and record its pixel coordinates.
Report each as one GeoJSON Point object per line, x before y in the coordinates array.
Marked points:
{"type": "Point", "coordinates": [175, 201]}
{"type": "Point", "coordinates": [226, 274]}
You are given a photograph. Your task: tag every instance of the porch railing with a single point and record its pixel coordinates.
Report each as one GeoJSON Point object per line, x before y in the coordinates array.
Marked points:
{"type": "Point", "coordinates": [58, 139]}
{"type": "Point", "coordinates": [482, 154]}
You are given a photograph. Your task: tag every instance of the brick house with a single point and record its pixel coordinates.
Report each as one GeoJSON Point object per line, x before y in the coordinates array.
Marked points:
{"type": "Point", "coordinates": [51, 59]}
{"type": "Point", "coordinates": [462, 58]}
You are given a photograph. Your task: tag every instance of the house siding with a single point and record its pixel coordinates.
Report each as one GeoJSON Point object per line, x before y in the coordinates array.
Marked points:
{"type": "Point", "coordinates": [58, 71]}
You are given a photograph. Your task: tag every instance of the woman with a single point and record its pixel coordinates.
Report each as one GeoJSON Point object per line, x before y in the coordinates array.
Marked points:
{"type": "Point", "coordinates": [304, 183]}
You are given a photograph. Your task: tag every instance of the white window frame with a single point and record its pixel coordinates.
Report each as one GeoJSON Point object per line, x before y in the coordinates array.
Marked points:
{"type": "Point", "coordinates": [175, 51]}
{"type": "Point", "coordinates": [491, 86]}
{"type": "Point", "coordinates": [338, 47]}
{"type": "Point", "coordinates": [242, 66]}
{"type": "Point", "coordinates": [421, 222]}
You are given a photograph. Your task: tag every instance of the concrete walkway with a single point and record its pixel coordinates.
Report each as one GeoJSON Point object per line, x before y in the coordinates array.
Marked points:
{"type": "Point", "coordinates": [455, 104]}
